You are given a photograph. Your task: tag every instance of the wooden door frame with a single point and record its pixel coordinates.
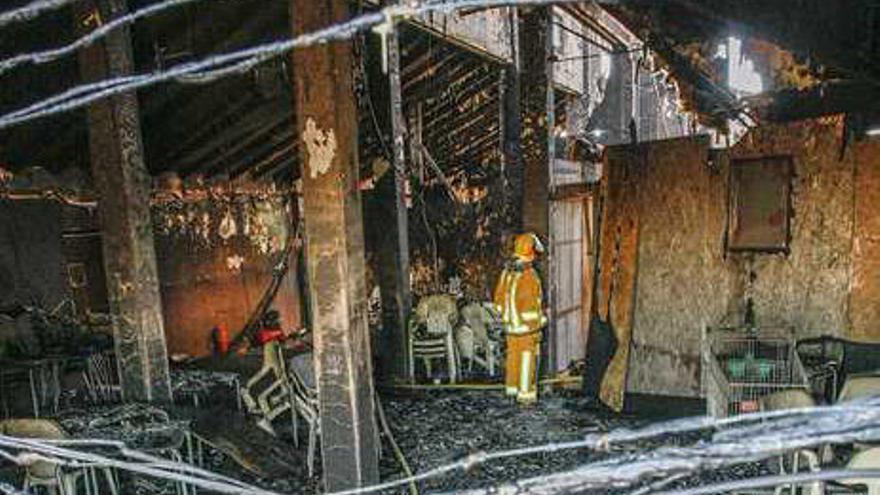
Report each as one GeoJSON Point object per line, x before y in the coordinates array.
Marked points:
{"type": "Point", "coordinates": [583, 193]}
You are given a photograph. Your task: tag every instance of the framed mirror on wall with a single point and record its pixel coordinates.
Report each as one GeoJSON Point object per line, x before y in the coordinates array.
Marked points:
{"type": "Point", "coordinates": [759, 207]}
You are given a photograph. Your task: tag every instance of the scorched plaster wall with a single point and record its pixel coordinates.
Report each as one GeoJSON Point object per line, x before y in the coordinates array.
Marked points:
{"type": "Point", "coordinates": [829, 283]}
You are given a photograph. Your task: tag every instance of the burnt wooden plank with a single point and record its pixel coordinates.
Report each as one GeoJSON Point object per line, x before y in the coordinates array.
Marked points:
{"type": "Point", "coordinates": [123, 183]}
{"type": "Point", "coordinates": [511, 129]}
{"type": "Point", "coordinates": [394, 279]}
{"type": "Point", "coordinates": [618, 266]}
{"type": "Point", "coordinates": [536, 100]}
{"type": "Point", "coordinates": [326, 124]}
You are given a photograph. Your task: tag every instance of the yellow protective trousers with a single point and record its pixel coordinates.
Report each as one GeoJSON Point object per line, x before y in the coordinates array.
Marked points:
{"type": "Point", "coordinates": [521, 374]}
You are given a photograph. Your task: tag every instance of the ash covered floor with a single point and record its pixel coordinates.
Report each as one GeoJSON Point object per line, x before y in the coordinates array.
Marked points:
{"type": "Point", "coordinates": [436, 428]}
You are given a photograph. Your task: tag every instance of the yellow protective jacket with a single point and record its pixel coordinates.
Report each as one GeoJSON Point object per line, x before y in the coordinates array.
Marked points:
{"type": "Point", "coordinates": [518, 299]}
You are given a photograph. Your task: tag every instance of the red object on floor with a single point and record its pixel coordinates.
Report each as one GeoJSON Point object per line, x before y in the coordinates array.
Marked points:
{"type": "Point", "coordinates": [221, 338]}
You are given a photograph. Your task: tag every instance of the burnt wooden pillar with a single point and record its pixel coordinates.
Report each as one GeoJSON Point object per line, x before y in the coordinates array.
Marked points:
{"type": "Point", "coordinates": [326, 120]}
{"type": "Point", "coordinates": [536, 98]}
{"type": "Point", "coordinates": [393, 256]}
{"type": "Point", "coordinates": [123, 184]}
{"type": "Point", "coordinates": [511, 148]}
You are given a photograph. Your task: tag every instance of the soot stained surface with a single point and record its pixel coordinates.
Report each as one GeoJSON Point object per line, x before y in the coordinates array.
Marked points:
{"type": "Point", "coordinates": [437, 428]}
{"type": "Point", "coordinates": [441, 427]}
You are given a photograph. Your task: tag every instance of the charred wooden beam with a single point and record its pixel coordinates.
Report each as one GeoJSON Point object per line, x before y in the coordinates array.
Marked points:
{"type": "Point", "coordinates": [478, 87]}
{"type": "Point", "coordinates": [491, 134]}
{"type": "Point", "coordinates": [419, 89]}
{"type": "Point", "coordinates": [430, 66]}
{"type": "Point", "coordinates": [536, 100]}
{"type": "Point", "coordinates": [241, 152]}
{"type": "Point", "coordinates": [455, 93]}
{"type": "Point", "coordinates": [327, 125]}
{"type": "Point", "coordinates": [123, 183]}
{"type": "Point", "coordinates": [255, 120]}
{"type": "Point", "coordinates": [460, 138]}
{"type": "Point", "coordinates": [831, 97]}
{"type": "Point", "coordinates": [277, 157]}
{"type": "Point", "coordinates": [394, 279]}
{"type": "Point", "coordinates": [256, 156]}
{"type": "Point", "coordinates": [449, 129]}
{"type": "Point", "coordinates": [164, 105]}
{"type": "Point", "coordinates": [230, 115]}
{"type": "Point", "coordinates": [511, 129]}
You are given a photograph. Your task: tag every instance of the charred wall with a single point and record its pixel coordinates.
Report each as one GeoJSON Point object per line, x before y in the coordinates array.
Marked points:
{"type": "Point", "coordinates": [686, 280]}
{"type": "Point", "coordinates": [682, 282]}
{"type": "Point", "coordinates": [30, 253]}
{"type": "Point", "coordinates": [216, 257]}
{"type": "Point", "coordinates": [865, 297]}
{"type": "Point", "coordinates": [810, 287]}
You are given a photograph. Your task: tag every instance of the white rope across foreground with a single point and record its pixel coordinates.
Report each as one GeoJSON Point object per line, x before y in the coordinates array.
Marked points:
{"type": "Point", "coordinates": [736, 440]}
{"type": "Point", "coordinates": [733, 441]}
{"type": "Point", "coordinates": [31, 11]}
{"type": "Point", "coordinates": [212, 67]}
{"type": "Point", "coordinates": [52, 54]}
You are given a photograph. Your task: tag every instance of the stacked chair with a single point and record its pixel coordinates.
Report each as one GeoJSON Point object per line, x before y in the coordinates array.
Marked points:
{"type": "Point", "coordinates": [853, 369]}
{"type": "Point", "coordinates": [431, 335]}
{"type": "Point", "coordinates": [439, 331]}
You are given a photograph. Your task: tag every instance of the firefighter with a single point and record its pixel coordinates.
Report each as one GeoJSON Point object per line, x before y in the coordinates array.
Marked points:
{"type": "Point", "coordinates": [518, 298]}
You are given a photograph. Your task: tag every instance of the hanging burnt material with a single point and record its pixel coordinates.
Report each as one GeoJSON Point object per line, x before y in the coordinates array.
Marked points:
{"type": "Point", "coordinates": [220, 248]}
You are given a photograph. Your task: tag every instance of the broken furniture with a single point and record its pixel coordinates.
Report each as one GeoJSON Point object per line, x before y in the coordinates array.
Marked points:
{"type": "Point", "coordinates": [865, 460]}
{"type": "Point", "coordinates": [478, 338]}
{"type": "Point", "coordinates": [43, 346]}
{"type": "Point", "coordinates": [431, 335]}
{"type": "Point", "coordinates": [44, 378]}
{"type": "Point", "coordinates": [791, 462]}
{"type": "Point", "coordinates": [865, 456]}
{"type": "Point", "coordinates": [271, 384]}
{"type": "Point", "coordinates": [54, 477]}
{"type": "Point", "coordinates": [831, 360]}
{"type": "Point", "coordinates": [305, 403]}
{"type": "Point", "coordinates": [859, 386]}
{"type": "Point", "coordinates": [196, 385]}
{"type": "Point", "coordinates": [101, 378]}
{"type": "Point", "coordinates": [140, 427]}
{"type": "Point", "coordinates": [743, 364]}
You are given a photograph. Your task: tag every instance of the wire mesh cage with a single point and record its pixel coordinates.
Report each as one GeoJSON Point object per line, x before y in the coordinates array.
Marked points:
{"type": "Point", "coordinates": [741, 365]}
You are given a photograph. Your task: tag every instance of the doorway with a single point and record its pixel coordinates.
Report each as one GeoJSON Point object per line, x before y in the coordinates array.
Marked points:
{"type": "Point", "coordinates": [571, 229]}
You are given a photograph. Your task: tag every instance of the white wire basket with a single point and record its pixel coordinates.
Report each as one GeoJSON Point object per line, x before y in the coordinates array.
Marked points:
{"type": "Point", "coordinates": [742, 365]}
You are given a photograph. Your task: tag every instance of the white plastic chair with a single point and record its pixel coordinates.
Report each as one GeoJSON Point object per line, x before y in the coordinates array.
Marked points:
{"type": "Point", "coordinates": [51, 476]}
{"type": "Point", "coordinates": [275, 399]}
{"type": "Point", "coordinates": [431, 336]}
{"type": "Point", "coordinates": [791, 462]}
{"type": "Point", "coordinates": [473, 339]}
{"type": "Point", "coordinates": [866, 459]}
{"type": "Point", "coordinates": [859, 386]}
{"type": "Point", "coordinates": [305, 404]}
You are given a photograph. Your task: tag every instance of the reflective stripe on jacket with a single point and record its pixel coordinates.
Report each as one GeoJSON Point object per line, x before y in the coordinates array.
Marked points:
{"type": "Point", "coordinates": [518, 299]}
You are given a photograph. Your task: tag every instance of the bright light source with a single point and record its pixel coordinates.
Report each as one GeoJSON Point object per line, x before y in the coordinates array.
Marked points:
{"type": "Point", "coordinates": [741, 74]}
{"type": "Point", "coordinates": [873, 132]}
